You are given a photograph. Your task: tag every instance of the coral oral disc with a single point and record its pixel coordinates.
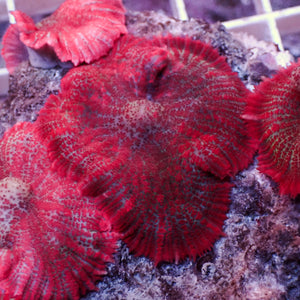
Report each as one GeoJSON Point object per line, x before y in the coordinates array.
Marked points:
{"type": "Point", "coordinates": [78, 31]}
{"type": "Point", "coordinates": [14, 194]}
{"type": "Point", "coordinates": [273, 112]}
{"type": "Point", "coordinates": [154, 131]}
{"type": "Point", "coordinates": [54, 243]}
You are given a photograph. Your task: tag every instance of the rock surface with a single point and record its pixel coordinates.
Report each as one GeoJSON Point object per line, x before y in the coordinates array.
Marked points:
{"type": "Point", "coordinates": [258, 258]}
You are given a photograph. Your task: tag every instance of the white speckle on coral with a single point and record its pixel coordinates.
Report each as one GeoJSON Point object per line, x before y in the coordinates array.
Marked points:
{"type": "Point", "coordinates": [13, 195]}
{"type": "Point", "coordinates": [142, 111]}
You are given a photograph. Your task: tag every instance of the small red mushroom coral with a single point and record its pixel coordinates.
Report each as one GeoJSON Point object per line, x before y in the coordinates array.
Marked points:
{"type": "Point", "coordinates": [154, 131]}
{"type": "Point", "coordinates": [274, 114]}
{"type": "Point", "coordinates": [14, 51]}
{"type": "Point", "coordinates": [78, 31]}
{"type": "Point", "coordinates": [53, 243]}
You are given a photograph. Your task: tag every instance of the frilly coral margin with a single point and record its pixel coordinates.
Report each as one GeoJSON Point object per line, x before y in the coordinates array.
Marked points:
{"type": "Point", "coordinates": [273, 115]}
{"type": "Point", "coordinates": [158, 147]}
{"type": "Point", "coordinates": [14, 51]}
{"type": "Point", "coordinates": [78, 31]}
{"type": "Point", "coordinates": [54, 243]}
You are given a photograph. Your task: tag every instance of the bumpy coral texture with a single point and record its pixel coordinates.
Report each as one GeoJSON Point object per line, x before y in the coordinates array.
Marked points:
{"type": "Point", "coordinates": [53, 243]}
{"type": "Point", "coordinates": [154, 131]}
{"type": "Point", "coordinates": [78, 31]}
{"type": "Point", "coordinates": [273, 111]}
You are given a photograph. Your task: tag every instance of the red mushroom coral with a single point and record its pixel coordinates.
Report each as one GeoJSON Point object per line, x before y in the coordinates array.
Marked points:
{"type": "Point", "coordinates": [14, 51]}
{"type": "Point", "coordinates": [53, 243]}
{"type": "Point", "coordinates": [78, 31]}
{"type": "Point", "coordinates": [274, 113]}
{"type": "Point", "coordinates": [153, 130]}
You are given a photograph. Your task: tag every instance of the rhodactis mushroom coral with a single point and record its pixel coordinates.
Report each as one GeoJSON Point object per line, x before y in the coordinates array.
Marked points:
{"type": "Point", "coordinates": [78, 31]}
{"type": "Point", "coordinates": [53, 243]}
{"type": "Point", "coordinates": [273, 111]}
{"type": "Point", "coordinates": [154, 131]}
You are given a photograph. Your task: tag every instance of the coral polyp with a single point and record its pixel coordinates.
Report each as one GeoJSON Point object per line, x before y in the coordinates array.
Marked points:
{"type": "Point", "coordinates": [273, 111]}
{"type": "Point", "coordinates": [54, 243]}
{"type": "Point", "coordinates": [154, 132]}
{"type": "Point", "coordinates": [78, 31]}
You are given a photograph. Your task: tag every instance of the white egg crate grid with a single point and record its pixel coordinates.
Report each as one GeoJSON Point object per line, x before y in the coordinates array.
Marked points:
{"type": "Point", "coordinates": [266, 24]}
